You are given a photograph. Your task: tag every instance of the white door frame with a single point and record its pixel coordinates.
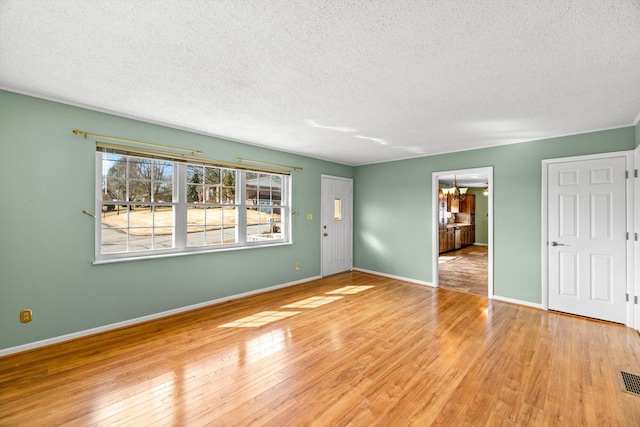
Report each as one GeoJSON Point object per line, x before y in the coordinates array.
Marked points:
{"type": "Point", "coordinates": [635, 182]}
{"type": "Point", "coordinates": [435, 178]}
{"type": "Point", "coordinates": [629, 225]}
{"type": "Point", "coordinates": [322, 220]}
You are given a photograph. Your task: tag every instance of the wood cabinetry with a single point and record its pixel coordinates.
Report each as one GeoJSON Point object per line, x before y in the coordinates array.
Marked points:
{"type": "Point", "coordinates": [468, 235]}
{"type": "Point", "coordinates": [468, 204]}
{"type": "Point", "coordinates": [464, 210]}
{"type": "Point", "coordinates": [446, 239]}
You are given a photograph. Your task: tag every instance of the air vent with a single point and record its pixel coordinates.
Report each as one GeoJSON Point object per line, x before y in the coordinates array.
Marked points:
{"type": "Point", "coordinates": [630, 383]}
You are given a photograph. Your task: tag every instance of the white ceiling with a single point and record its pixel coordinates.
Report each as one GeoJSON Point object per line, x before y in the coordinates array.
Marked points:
{"type": "Point", "coordinates": [355, 82]}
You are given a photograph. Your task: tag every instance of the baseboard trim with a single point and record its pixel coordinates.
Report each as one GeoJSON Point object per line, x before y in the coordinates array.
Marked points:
{"type": "Point", "coordinates": [391, 276]}
{"type": "Point", "coordinates": [131, 322]}
{"type": "Point", "coordinates": [517, 301]}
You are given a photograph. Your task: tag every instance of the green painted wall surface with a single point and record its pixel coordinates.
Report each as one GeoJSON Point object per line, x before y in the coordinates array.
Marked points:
{"type": "Point", "coordinates": [392, 221]}
{"type": "Point", "coordinates": [482, 215]}
{"type": "Point", "coordinates": [47, 244]}
{"type": "Point", "coordinates": [638, 134]}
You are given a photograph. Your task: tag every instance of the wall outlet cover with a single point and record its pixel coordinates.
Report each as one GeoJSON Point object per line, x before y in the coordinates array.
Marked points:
{"type": "Point", "coordinates": [26, 316]}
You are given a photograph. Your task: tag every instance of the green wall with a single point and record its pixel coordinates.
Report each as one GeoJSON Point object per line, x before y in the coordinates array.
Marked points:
{"type": "Point", "coordinates": [638, 134]}
{"type": "Point", "coordinates": [47, 244]}
{"type": "Point", "coordinates": [482, 215]}
{"type": "Point", "coordinates": [392, 221]}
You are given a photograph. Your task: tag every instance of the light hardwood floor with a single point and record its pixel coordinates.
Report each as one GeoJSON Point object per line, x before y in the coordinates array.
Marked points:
{"type": "Point", "coordinates": [393, 354]}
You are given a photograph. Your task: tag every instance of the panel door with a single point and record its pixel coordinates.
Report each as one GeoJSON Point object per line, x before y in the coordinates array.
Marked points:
{"type": "Point", "coordinates": [337, 205]}
{"type": "Point", "coordinates": [587, 238]}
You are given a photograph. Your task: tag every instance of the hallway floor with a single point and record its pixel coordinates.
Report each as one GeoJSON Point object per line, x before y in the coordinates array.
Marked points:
{"type": "Point", "coordinates": [465, 270]}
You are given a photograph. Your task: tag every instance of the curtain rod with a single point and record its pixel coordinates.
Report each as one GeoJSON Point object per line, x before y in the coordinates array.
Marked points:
{"type": "Point", "coordinates": [133, 141]}
{"type": "Point", "coordinates": [295, 168]}
{"type": "Point", "coordinates": [185, 158]}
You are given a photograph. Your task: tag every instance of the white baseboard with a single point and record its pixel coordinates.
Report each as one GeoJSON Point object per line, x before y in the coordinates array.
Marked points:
{"type": "Point", "coordinates": [391, 276]}
{"type": "Point", "coordinates": [118, 325]}
{"type": "Point", "coordinates": [516, 301]}
{"type": "Point", "coordinates": [480, 244]}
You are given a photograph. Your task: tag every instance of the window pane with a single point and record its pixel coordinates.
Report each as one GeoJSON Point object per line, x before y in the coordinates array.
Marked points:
{"type": "Point", "coordinates": [194, 194]}
{"type": "Point", "coordinates": [140, 240]}
{"type": "Point", "coordinates": [114, 165]}
{"type": "Point", "coordinates": [213, 237]}
{"type": "Point", "coordinates": [140, 168]}
{"type": "Point", "coordinates": [263, 224]}
{"type": "Point", "coordinates": [163, 238]}
{"type": "Point", "coordinates": [140, 220]}
{"type": "Point", "coordinates": [214, 217]}
{"type": "Point", "coordinates": [139, 191]}
{"type": "Point", "coordinates": [212, 175]}
{"type": "Point", "coordinates": [228, 191]}
{"type": "Point", "coordinates": [115, 189]}
{"type": "Point", "coordinates": [195, 235]}
{"type": "Point", "coordinates": [163, 191]}
{"type": "Point", "coordinates": [114, 240]}
{"type": "Point", "coordinates": [212, 194]}
{"type": "Point", "coordinates": [230, 221]}
{"type": "Point", "coordinates": [337, 209]}
{"type": "Point", "coordinates": [162, 171]}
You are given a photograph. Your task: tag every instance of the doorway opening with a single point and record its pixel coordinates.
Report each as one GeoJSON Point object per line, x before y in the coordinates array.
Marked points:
{"type": "Point", "coordinates": [463, 230]}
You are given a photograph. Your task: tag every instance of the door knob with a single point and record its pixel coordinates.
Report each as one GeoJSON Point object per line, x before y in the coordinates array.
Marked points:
{"type": "Point", "coordinates": [558, 244]}
{"type": "Point", "coordinates": [326, 235]}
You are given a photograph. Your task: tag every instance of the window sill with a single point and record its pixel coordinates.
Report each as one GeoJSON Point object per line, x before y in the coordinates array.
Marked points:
{"type": "Point", "coordinates": [198, 252]}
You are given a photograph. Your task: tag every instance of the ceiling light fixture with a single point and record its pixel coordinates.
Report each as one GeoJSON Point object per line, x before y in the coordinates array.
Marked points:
{"type": "Point", "coordinates": [457, 192]}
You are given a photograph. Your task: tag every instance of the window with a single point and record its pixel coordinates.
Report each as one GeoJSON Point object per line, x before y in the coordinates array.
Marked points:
{"type": "Point", "coordinates": [337, 209]}
{"type": "Point", "coordinates": [152, 206]}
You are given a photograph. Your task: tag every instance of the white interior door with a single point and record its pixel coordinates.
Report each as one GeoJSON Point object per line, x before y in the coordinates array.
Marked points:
{"type": "Point", "coordinates": [337, 216]}
{"type": "Point", "coordinates": [587, 253]}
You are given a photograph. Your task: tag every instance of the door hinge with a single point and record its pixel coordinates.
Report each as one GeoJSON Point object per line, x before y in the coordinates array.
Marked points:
{"type": "Point", "coordinates": [627, 235]}
{"type": "Point", "coordinates": [626, 174]}
{"type": "Point", "coordinates": [635, 173]}
{"type": "Point", "coordinates": [635, 299]}
{"type": "Point", "coordinates": [627, 297]}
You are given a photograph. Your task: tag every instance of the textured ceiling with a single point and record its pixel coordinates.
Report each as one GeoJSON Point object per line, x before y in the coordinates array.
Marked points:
{"type": "Point", "coordinates": [355, 82]}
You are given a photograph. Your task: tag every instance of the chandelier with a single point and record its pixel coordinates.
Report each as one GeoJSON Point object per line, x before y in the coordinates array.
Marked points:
{"type": "Point", "coordinates": [455, 191]}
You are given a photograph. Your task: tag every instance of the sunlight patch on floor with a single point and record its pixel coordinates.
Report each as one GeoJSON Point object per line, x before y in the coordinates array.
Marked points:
{"type": "Point", "coordinates": [311, 302]}
{"type": "Point", "coordinates": [348, 290]}
{"type": "Point", "coordinates": [259, 319]}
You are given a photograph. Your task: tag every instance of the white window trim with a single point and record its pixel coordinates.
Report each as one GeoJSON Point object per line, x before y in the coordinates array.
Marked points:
{"type": "Point", "coordinates": [180, 218]}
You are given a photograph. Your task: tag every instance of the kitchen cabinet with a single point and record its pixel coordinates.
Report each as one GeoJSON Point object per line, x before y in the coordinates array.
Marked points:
{"type": "Point", "coordinates": [468, 204]}
{"type": "Point", "coordinates": [464, 210]}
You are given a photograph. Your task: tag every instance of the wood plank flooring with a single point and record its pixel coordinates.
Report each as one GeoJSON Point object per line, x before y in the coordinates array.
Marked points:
{"type": "Point", "coordinates": [465, 270]}
{"type": "Point", "coordinates": [386, 353]}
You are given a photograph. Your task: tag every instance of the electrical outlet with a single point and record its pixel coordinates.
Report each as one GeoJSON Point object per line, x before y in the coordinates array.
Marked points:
{"type": "Point", "coordinates": [297, 266]}
{"type": "Point", "coordinates": [26, 316]}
